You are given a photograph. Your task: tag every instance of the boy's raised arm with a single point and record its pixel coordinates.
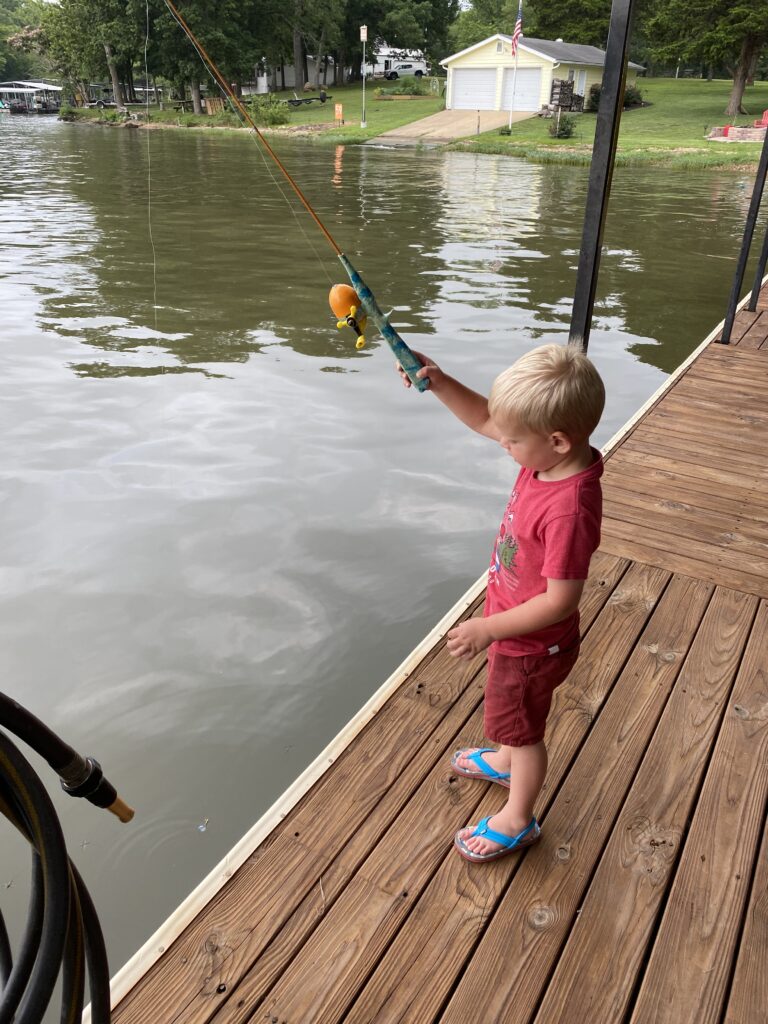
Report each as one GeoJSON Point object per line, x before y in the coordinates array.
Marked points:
{"type": "Point", "coordinates": [467, 405]}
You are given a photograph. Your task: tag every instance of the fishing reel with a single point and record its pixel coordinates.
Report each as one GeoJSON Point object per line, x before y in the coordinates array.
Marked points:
{"type": "Point", "coordinates": [345, 303]}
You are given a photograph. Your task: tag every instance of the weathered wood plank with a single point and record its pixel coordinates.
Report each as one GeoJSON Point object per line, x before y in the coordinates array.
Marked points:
{"type": "Point", "coordinates": [653, 549]}
{"type": "Point", "coordinates": [742, 369]}
{"type": "Point", "coordinates": [374, 902]}
{"type": "Point", "coordinates": [742, 321]}
{"type": "Point", "coordinates": [713, 546]}
{"type": "Point", "coordinates": [540, 905]}
{"type": "Point", "coordinates": [749, 991]}
{"type": "Point", "coordinates": [757, 333]}
{"type": "Point", "coordinates": [662, 470]}
{"type": "Point", "coordinates": [597, 969]}
{"type": "Point", "coordinates": [743, 465]}
{"type": "Point", "coordinates": [726, 353]}
{"type": "Point", "coordinates": [658, 509]}
{"type": "Point", "coordinates": [726, 547]}
{"type": "Point", "coordinates": [689, 968]}
{"type": "Point", "coordinates": [745, 386]}
{"type": "Point", "coordinates": [711, 414]}
{"type": "Point", "coordinates": [669, 430]}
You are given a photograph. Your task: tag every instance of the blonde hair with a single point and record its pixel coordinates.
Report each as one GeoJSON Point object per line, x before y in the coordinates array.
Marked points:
{"type": "Point", "coordinates": [554, 387]}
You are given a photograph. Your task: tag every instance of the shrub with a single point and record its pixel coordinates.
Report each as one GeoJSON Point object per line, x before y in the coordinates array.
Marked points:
{"type": "Point", "coordinates": [505, 130]}
{"type": "Point", "coordinates": [68, 113]}
{"type": "Point", "coordinates": [593, 99]}
{"type": "Point", "coordinates": [405, 87]}
{"type": "Point", "coordinates": [632, 97]}
{"type": "Point", "coordinates": [268, 110]}
{"type": "Point", "coordinates": [562, 127]}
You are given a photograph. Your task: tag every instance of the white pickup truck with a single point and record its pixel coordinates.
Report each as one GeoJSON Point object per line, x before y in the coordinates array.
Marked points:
{"type": "Point", "coordinates": [402, 68]}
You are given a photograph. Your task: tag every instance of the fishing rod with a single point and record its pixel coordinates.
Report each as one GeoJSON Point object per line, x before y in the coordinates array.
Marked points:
{"type": "Point", "coordinates": [345, 301]}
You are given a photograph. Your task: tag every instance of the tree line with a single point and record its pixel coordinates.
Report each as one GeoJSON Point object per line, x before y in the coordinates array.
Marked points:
{"type": "Point", "coordinates": [87, 40]}
{"type": "Point", "coordinates": [82, 41]}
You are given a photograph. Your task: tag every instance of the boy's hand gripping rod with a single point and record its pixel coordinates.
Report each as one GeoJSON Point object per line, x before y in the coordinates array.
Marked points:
{"type": "Point", "coordinates": [404, 354]}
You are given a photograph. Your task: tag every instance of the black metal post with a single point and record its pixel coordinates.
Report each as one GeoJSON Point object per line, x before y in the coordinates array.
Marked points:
{"type": "Point", "coordinates": [601, 171]}
{"type": "Point", "coordinates": [746, 242]}
{"type": "Point", "coordinates": [760, 272]}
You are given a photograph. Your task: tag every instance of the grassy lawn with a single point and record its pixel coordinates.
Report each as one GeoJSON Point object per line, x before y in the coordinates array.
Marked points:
{"type": "Point", "coordinates": [670, 131]}
{"type": "Point", "coordinates": [381, 115]}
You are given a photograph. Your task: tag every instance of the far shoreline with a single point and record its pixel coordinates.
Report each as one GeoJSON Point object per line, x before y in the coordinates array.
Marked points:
{"type": "Point", "coordinates": [323, 133]}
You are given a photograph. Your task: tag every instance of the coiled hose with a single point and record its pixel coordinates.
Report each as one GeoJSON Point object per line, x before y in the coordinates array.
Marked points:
{"type": "Point", "coordinates": [62, 932]}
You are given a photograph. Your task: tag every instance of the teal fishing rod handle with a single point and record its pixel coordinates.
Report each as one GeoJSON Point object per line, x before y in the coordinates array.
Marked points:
{"type": "Point", "coordinates": [405, 356]}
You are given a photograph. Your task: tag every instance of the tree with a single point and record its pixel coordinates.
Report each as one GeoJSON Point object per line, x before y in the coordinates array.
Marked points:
{"type": "Point", "coordinates": [235, 35]}
{"type": "Point", "coordinates": [485, 18]}
{"type": "Point", "coordinates": [576, 21]}
{"type": "Point", "coordinates": [85, 38]}
{"type": "Point", "coordinates": [19, 52]}
{"type": "Point", "coordinates": [730, 32]}
{"type": "Point", "coordinates": [418, 25]}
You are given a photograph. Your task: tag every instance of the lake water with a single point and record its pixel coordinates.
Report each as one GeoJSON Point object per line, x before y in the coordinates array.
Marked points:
{"type": "Point", "coordinates": [223, 527]}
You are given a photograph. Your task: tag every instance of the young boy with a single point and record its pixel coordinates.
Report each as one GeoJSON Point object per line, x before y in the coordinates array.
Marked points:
{"type": "Point", "coordinates": [542, 411]}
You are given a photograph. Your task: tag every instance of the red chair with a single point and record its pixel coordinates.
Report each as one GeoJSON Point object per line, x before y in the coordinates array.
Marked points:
{"type": "Point", "coordinates": [763, 122]}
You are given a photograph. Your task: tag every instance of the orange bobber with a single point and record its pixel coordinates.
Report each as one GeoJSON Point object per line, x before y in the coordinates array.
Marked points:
{"type": "Point", "coordinates": [342, 297]}
{"type": "Point", "coordinates": [345, 303]}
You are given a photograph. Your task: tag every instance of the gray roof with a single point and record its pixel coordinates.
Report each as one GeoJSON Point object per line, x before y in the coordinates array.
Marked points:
{"type": "Point", "coordinates": [568, 53]}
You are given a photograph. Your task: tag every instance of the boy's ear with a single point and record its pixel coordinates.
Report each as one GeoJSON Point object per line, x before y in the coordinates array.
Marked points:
{"type": "Point", "coordinates": [561, 443]}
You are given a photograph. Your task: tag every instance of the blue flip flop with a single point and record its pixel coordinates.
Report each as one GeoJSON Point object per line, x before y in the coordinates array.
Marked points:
{"type": "Point", "coordinates": [484, 771]}
{"type": "Point", "coordinates": [509, 844]}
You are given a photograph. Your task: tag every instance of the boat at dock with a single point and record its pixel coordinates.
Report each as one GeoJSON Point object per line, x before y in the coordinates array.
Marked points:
{"type": "Point", "coordinates": [20, 97]}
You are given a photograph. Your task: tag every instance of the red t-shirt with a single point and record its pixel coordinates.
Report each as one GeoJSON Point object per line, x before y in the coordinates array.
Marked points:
{"type": "Point", "coordinates": [549, 531]}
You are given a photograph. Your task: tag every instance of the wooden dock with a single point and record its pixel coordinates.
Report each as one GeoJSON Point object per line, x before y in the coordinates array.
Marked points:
{"type": "Point", "coordinates": [646, 899]}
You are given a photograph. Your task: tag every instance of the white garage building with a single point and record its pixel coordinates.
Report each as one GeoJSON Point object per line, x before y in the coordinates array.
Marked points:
{"type": "Point", "coordinates": [481, 77]}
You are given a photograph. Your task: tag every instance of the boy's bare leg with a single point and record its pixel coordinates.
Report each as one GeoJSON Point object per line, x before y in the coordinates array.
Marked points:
{"type": "Point", "coordinates": [528, 769]}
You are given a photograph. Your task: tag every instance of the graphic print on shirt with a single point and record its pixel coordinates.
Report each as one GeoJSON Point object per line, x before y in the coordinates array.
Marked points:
{"type": "Point", "coordinates": [504, 560]}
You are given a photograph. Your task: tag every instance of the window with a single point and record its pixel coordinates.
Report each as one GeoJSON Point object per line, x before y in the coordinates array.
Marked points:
{"type": "Point", "coordinates": [499, 47]}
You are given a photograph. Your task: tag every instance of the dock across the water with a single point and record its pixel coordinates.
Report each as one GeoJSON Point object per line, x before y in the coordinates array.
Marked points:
{"type": "Point", "coordinates": [646, 899]}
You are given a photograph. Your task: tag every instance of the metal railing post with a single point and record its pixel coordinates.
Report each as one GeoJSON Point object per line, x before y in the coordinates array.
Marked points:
{"type": "Point", "coordinates": [601, 171]}
{"type": "Point", "coordinates": [760, 272]}
{"type": "Point", "coordinates": [746, 243]}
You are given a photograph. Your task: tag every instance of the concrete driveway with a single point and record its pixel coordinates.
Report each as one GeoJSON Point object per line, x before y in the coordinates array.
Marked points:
{"type": "Point", "coordinates": [448, 125]}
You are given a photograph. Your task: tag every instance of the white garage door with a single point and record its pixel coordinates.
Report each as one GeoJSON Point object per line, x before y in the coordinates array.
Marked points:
{"type": "Point", "coordinates": [527, 89]}
{"type": "Point", "coordinates": [474, 89]}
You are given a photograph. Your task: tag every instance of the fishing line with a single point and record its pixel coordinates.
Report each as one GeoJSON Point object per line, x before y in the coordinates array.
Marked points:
{"type": "Point", "coordinates": [345, 301]}
{"type": "Point", "coordinates": [149, 171]}
{"type": "Point", "coordinates": [252, 129]}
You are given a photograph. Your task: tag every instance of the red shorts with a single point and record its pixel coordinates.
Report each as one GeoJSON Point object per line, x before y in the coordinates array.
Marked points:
{"type": "Point", "coordinates": [519, 694]}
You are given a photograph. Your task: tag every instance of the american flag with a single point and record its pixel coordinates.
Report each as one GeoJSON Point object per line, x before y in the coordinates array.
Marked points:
{"type": "Point", "coordinates": [518, 29]}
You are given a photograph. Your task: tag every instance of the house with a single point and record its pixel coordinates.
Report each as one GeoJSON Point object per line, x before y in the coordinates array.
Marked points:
{"type": "Point", "coordinates": [481, 77]}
